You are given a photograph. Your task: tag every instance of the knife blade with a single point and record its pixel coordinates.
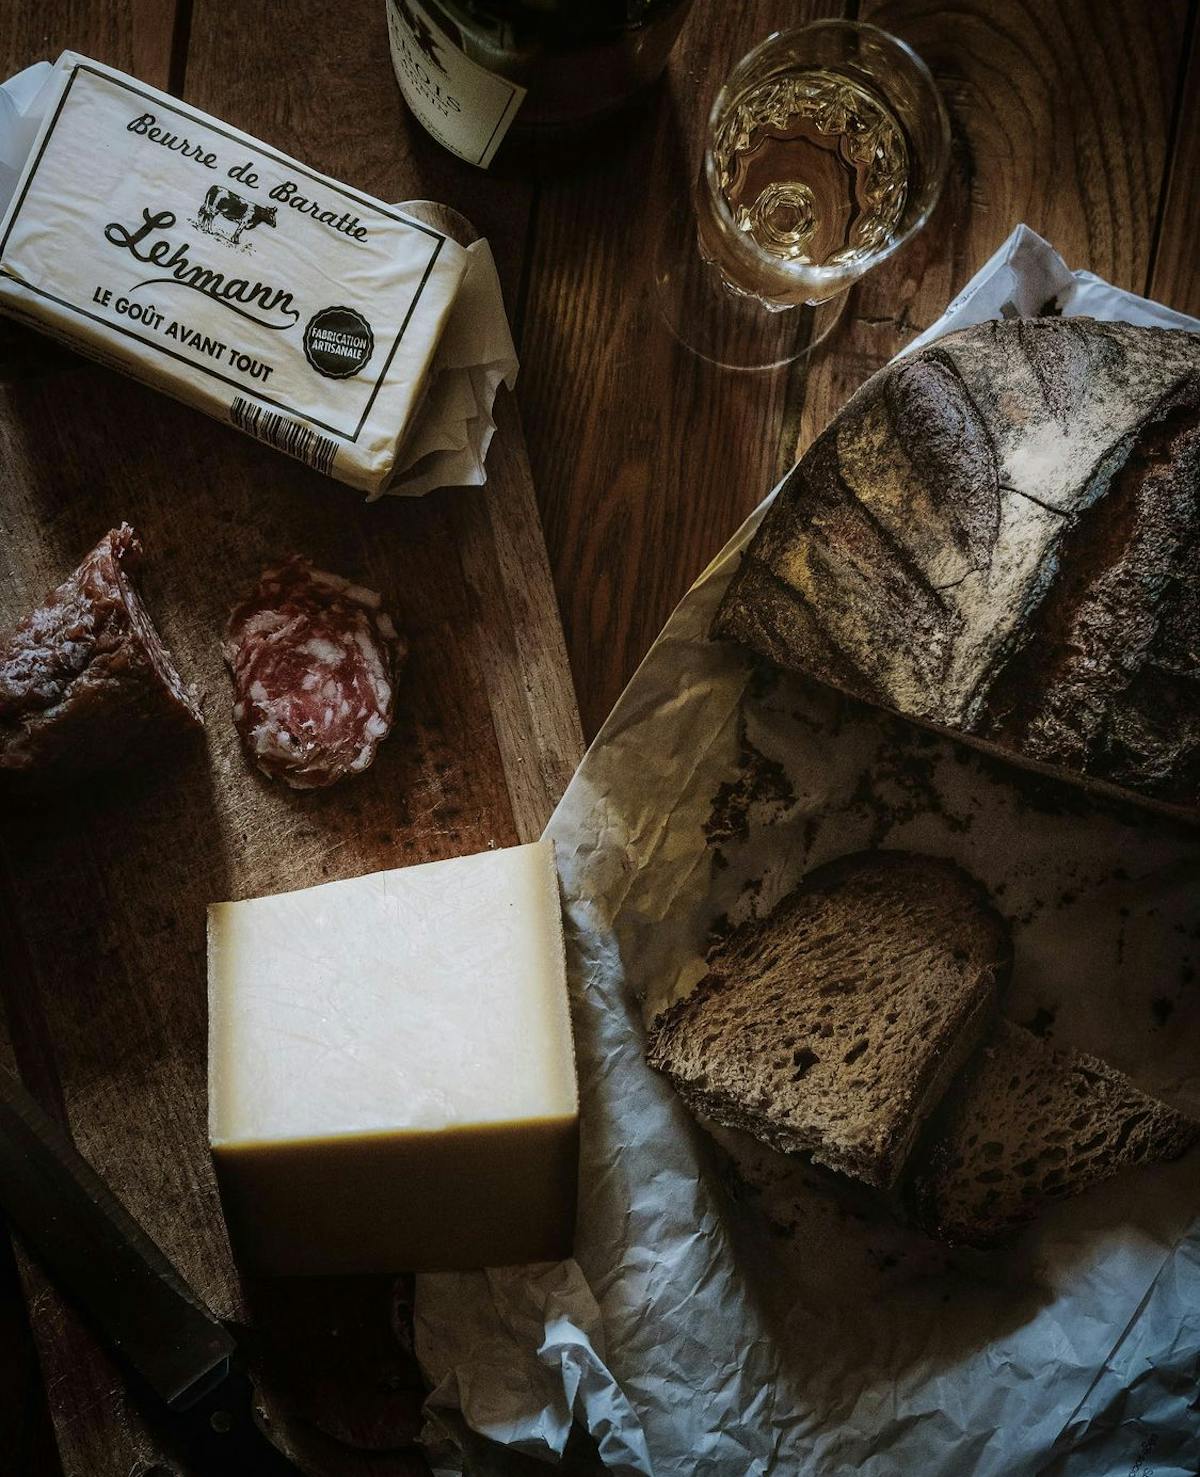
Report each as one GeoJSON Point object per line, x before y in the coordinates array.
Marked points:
{"type": "Point", "coordinates": [98, 1254]}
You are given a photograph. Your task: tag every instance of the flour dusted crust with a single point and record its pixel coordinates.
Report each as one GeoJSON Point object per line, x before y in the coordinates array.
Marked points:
{"type": "Point", "coordinates": [999, 536]}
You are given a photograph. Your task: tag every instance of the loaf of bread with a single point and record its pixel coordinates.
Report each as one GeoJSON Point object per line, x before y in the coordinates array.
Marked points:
{"type": "Point", "coordinates": [999, 537]}
{"type": "Point", "coordinates": [1028, 1124]}
{"type": "Point", "coordinates": [834, 1026]}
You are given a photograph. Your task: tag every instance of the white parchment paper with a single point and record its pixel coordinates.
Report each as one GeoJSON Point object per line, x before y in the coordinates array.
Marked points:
{"type": "Point", "coordinates": [730, 1311]}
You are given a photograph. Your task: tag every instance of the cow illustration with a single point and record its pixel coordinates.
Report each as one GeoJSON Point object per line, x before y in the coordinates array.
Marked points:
{"type": "Point", "coordinates": [221, 205]}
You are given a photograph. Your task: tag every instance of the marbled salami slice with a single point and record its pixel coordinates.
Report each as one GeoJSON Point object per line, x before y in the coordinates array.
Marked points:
{"type": "Point", "coordinates": [313, 659]}
{"type": "Point", "coordinates": [85, 682]}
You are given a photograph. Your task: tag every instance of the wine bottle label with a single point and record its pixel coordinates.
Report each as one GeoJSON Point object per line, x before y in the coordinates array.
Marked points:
{"type": "Point", "coordinates": [464, 106]}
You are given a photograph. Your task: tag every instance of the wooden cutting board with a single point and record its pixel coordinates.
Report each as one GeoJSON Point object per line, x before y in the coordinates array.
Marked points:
{"type": "Point", "coordinates": [103, 894]}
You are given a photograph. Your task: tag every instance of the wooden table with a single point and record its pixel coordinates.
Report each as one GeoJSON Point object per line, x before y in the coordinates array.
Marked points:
{"type": "Point", "coordinates": [1079, 117]}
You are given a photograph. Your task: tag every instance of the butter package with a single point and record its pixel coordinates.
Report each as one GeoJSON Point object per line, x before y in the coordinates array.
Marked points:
{"type": "Point", "coordinates": [158, 240]}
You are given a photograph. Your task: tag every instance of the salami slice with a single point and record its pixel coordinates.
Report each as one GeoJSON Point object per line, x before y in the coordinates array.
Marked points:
{"type": "Point", "coordinates": [85, 681]}
{"type": "Point", "coordinates": [313, 659]}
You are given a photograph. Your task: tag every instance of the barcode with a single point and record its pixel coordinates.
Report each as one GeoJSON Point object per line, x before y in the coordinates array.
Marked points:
{"type": "Point", "coordinates": [284, 434]}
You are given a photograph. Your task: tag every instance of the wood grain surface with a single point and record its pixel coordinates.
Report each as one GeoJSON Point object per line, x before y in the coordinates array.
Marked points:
{"type": "Point", "coordinates": [650, 457]}
{"type": "Point", "coordinates": [106, 892]}
{"type": "Point", "coordinates": [133, 37]}
{"type": "Point", "coordinates": [1080, 117]}
{"type": "Point", "coordinates": [1173, 276]}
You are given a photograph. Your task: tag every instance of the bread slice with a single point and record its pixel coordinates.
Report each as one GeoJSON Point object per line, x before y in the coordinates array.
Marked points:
{"type": "Point", "coordinates": [834, 1026]}
{"type": "Point", "coordinates": [1029, 1124]}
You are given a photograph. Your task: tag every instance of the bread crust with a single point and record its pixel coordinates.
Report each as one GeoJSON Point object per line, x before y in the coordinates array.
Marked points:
{"type": "Point", "coordinates": [1020, 505]}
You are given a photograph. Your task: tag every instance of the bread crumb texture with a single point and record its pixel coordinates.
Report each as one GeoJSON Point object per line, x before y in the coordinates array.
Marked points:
{"type": "Point", "coordinates": [834, 1026]}
{"type": "Point", "coordinates": [1028, 1124]}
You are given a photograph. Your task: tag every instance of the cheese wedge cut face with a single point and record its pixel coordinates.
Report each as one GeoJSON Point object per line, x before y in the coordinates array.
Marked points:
{"type": "Point", "coordinates": [391, 1072]}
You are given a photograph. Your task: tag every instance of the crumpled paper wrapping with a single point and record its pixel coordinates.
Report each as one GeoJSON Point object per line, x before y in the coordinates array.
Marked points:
{"type": "Point", "coordinates": [21, 109]}
{"type": "Point", "coordinates": [449, 440]}
{"type": "Point", "coordinates": [730, 1311]}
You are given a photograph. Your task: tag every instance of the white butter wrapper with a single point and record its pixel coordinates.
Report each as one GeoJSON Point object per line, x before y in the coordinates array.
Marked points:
{"type": "Point", "coordinates": [453, 429]}
{"type": "Point", "coordinates": [188, 254]}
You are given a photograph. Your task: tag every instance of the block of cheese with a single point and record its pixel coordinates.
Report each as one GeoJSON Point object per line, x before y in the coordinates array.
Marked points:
{"type": "Point", "coordinates": [192, 256]}
{"type": "Point", "coordinates": [391, 1070]}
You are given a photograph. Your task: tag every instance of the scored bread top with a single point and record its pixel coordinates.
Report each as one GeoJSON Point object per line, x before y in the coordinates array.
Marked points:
{"type": "Point", "coordinates": [834, 1025]}
{"type": "Point", "coordinates": [999, 536]}
{"type": "Point", "coordinates": [1028, 1124]}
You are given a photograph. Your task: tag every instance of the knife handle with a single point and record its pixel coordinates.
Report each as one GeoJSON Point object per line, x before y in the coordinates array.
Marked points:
{"type": "Point", "coordinates": [96, 1252]}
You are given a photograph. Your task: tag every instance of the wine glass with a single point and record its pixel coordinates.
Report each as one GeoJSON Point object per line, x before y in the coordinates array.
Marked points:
{"type": "Point", "coordinates": [826, 150]}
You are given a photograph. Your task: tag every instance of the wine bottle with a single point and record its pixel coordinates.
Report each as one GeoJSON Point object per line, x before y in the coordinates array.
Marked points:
{"type": "Point", "coordinates": [472, 71]}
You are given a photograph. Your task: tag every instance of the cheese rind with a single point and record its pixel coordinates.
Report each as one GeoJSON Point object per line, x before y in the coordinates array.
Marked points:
{"type": "Point", "coordinates": [489, 1195]}
{"type": "Point", "coordinates": [391, 1074]}
{"type": "Point", "coordinates": [161, 241]}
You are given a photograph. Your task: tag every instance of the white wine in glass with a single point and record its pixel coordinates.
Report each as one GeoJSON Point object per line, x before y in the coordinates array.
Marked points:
{"type": "Point", "coordinates": [813, 168]}
{"type": "Point", "coordinates": [826, 151]}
